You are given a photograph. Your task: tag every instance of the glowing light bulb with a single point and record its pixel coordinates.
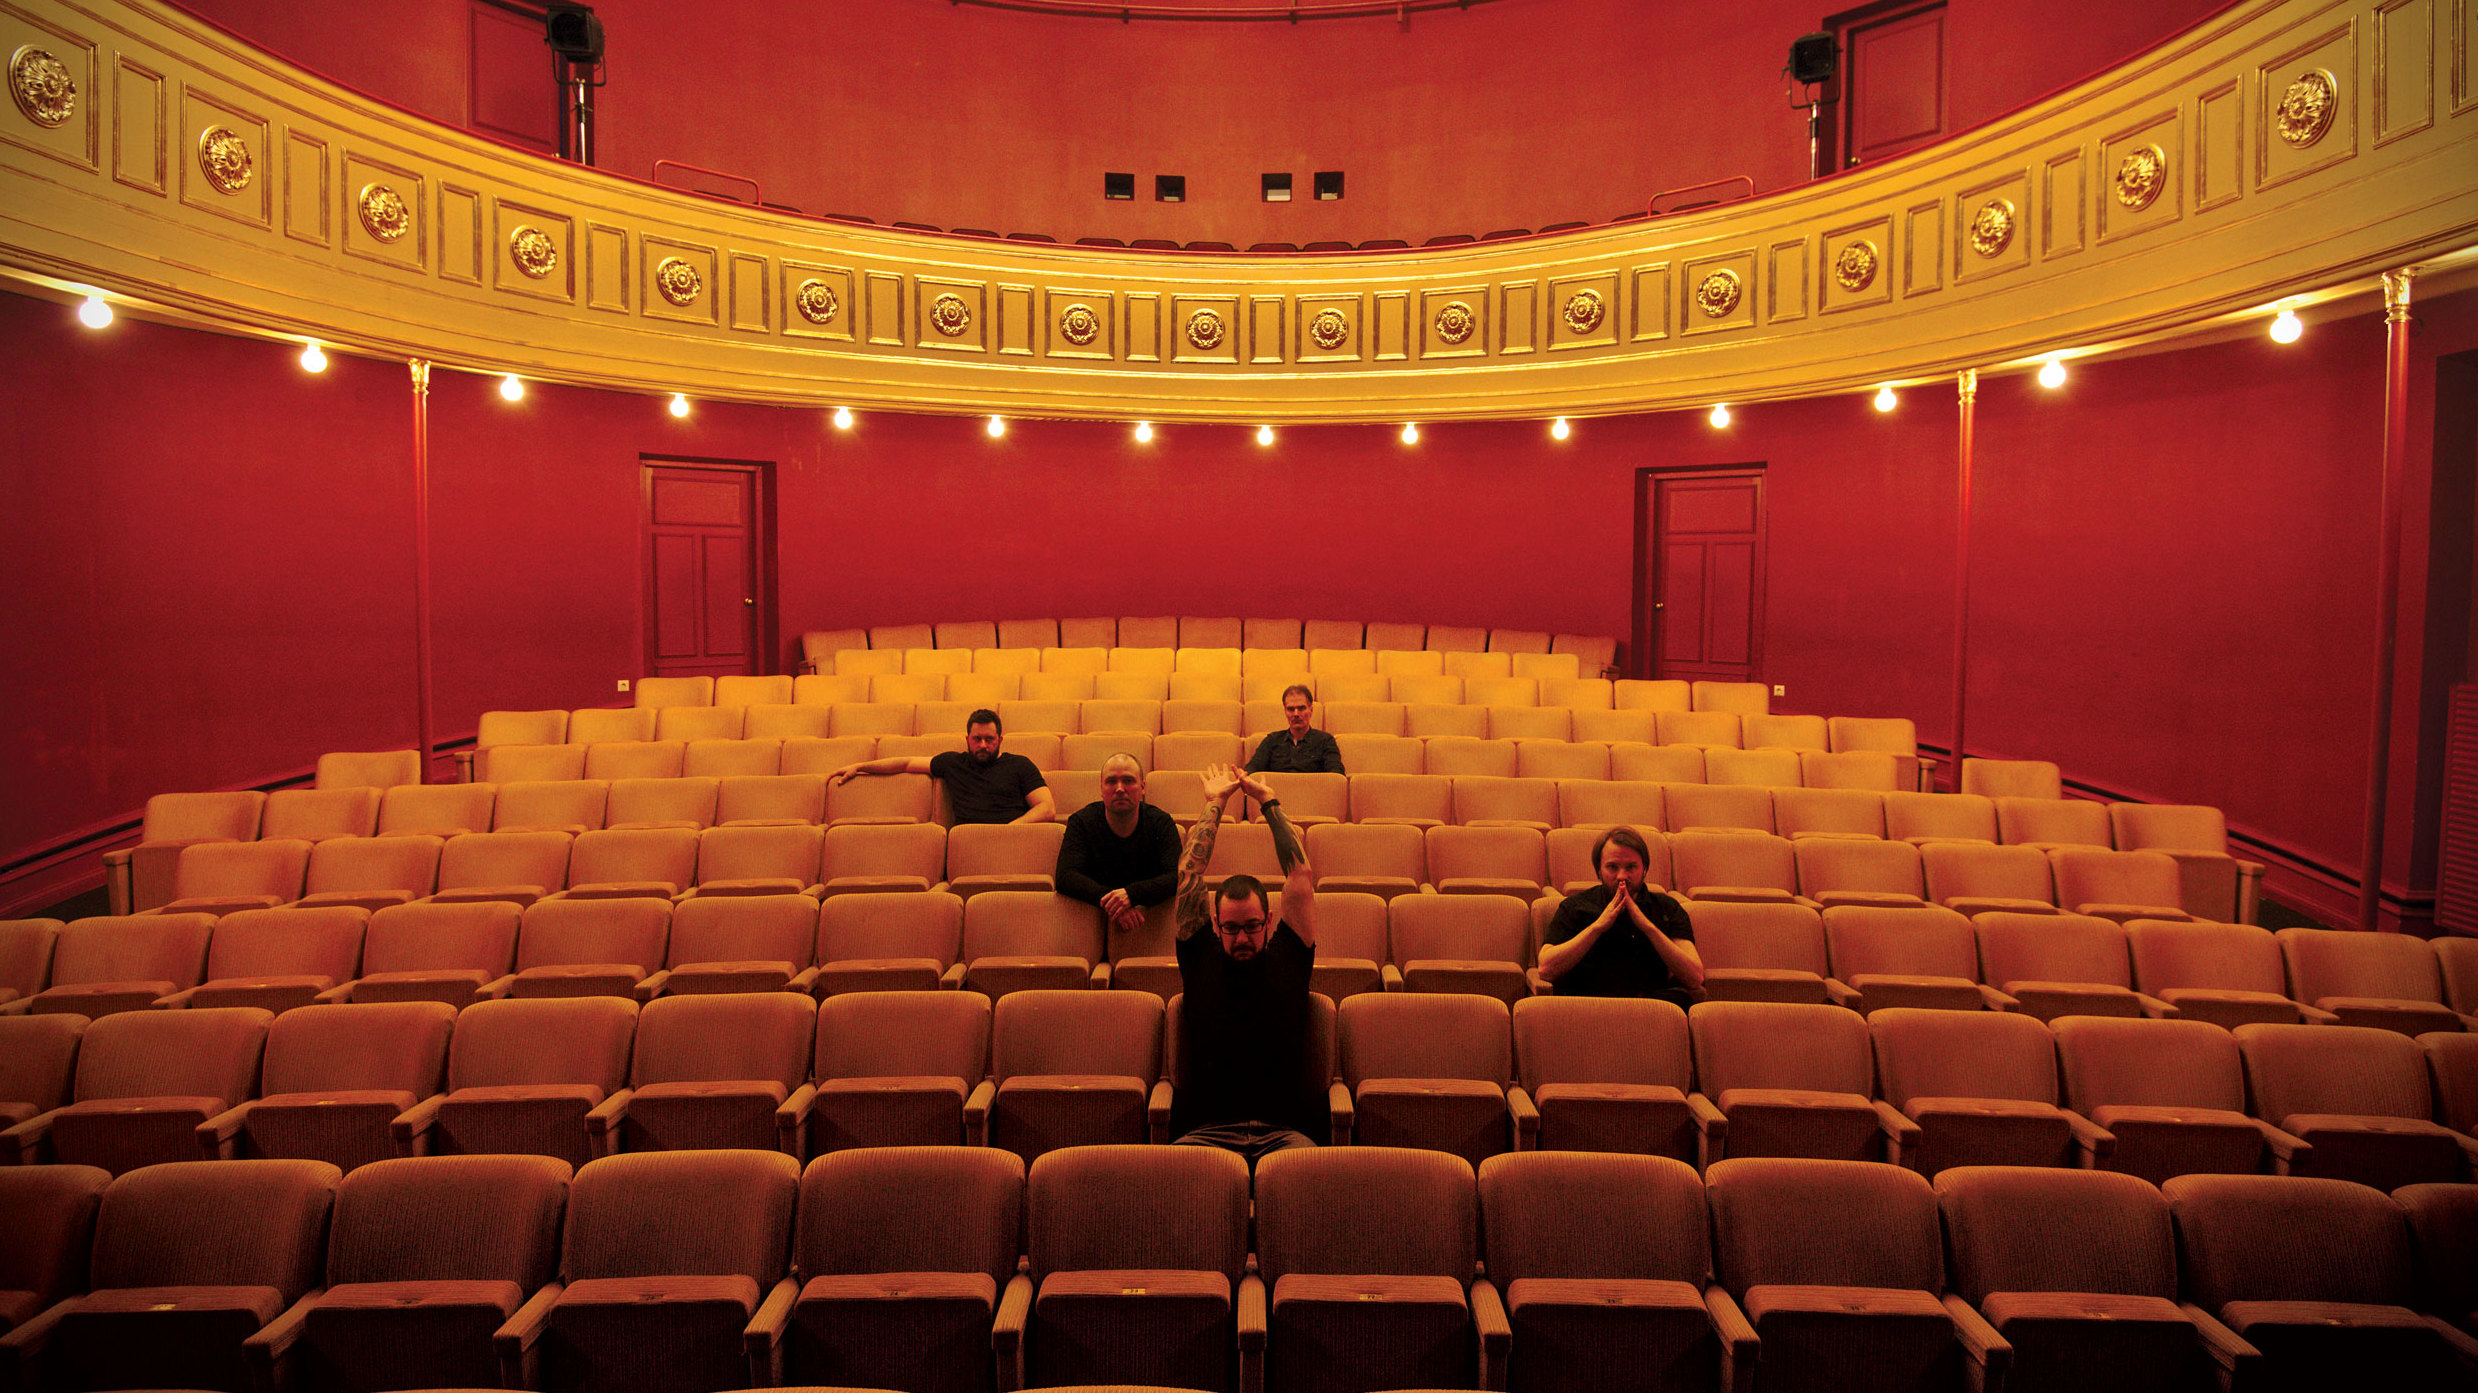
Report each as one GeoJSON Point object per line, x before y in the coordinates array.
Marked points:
{"type": "Point", "coordinates": [679, 404]}
{"type": "Point", "coordinates": [94, 313]}
{"type": "Point", "coordinates": [512, 387]}
{"type": "Point", "coordinates": [843, 418]}
{"type": "Point", "coordinates": [1559, 430]}
{"type": "Point", "coordinates": [1411, 432]}
{"type": "Point", "coordinates": [1144, 432]}
{"type": "Point", "coordinates": [1885, 400]}
{"type": "Point", "coordinates": [2286, 327]}
{"type": "Point", "coordinates": [1720, 415]}
{"type": "Point", "coordinates": [2052, 373]}
{"type": "Point", "coordinates": [997, 427]}
{"type": "Point", "coordinates": [1264, 435]}
{"type": "Point", "coordinates": [313, 360]}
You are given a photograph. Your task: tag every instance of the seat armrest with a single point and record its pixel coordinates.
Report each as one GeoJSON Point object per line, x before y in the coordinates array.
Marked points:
{"type": "Point", "coordinates": [2236, 1359]}
{"type": "Point", "coordinates": [1252, 1323]}
{"type": "Point", "coordinates": [1996, 1000]}
{"type": "Point", "coordinates": [802, 981]}
{"type": "Point", "coordinates": [337, 995]}
{"type": "Point", "coordinates": [1006, 1333]}
{"type": "Point", "coordinates": [1157, 1112]}
{"type": "Point", "coordinates": [1900, 1133]}
{"type": "Point", "coordinates": [217, 1135]}
{"type": "Point", "coordinates": [1709, 1120]}
{"type": "Point", "coordinates": [2156, 1009]}
{"type": "Point", "coordinates": [28, 1143]}
{"type": "Point", "coordinates": [1496, 1334]}
{"type": "Point", "coordinates": [791, 1119]}
{"type": "Point", "coordinates": [265, 1351]}
{"type": "Point", "coordinates": [514, 1341]}
{"type": "Point", "coordinates": [2464, 1347]}
{"type": "Point", "coordinates": [976, 1112]}
{"type": "Point", "coordinates": [492, 991]}
{"type": "Point", "coordinates": [605, 1120]}
{"type": "Point", "coordinates": [1991, 1355]}
{"type": "Point", "coordinates": [176, 1001]}
{"type": "Point", "coordinates": [2096, 1142]}
{"type": "Point", "coordinates": [23, 1005]}
{"type": "Point", "coordinates": [2469, 1149]}
{"type": "Point", "coordinates": [1541, 986]}
{"type": "Point", "coordinates": [1736, 1335]}
{"type": "Point", "coordinates": [411, 1128]}
{"type": "Point", "coordinates": [1389, 978]}
{"type": "Point", "coordinates": [653, 985]}
{"type": "Point", "coordinates": [2287, 1149]}
{"type": "Point", "coordinates": [1842, 993]}
{"type": "Point", "coordinates": [1339, 1108]}
{"type": "Point", "coordinates": [2316, 1015]}
{"type": "Point", "coordinates": [764, 1335]}
{"type": "Point", "coordinates": [953, 978]}
{"type": "Point", "coordinates": [24, 1345]}
{"type": "Point", "coordinates": [1526, 1115]}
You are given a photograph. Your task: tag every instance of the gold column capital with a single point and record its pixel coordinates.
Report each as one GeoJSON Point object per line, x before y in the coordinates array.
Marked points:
{"type": "Point", "coordinates": [2396, 294]}
{"type": "Point", "coordinates": [420, 368]}
{"type": "Point", "coordinates": [1968, 379]}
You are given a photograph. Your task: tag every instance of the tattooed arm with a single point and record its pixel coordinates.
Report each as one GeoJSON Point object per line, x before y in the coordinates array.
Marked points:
{"type": "Point", "coordinates": [1299, 878]}
{"type": "Point", "coordinates": [1195, 906]}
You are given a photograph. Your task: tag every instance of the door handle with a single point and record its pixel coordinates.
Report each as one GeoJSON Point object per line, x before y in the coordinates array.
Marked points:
{"type": "Point", "coordinates": [747, 600]}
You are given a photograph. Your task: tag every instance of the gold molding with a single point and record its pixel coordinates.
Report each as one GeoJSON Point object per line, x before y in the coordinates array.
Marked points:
{"type": "Point", "coordinates": [793, 310]}
{"type": "Point", "coordinates": [42, 85]}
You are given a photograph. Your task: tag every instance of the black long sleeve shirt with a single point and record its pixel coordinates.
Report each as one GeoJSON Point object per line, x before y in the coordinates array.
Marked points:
{"type": "Point", "coordinates": [1093, 860]}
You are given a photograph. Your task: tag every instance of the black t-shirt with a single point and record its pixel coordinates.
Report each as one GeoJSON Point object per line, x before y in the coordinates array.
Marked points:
{"type": "Point", "coordinates": [977, 792]}
{"type": "Point", "coordinates": [1094, 860]}
{"type": "Point", "coordinates": [1623, 961]}
{"type": "Point", "coordinates": [1243, 1036]}
{"type": "Point", "coordinates": [1313, 753]}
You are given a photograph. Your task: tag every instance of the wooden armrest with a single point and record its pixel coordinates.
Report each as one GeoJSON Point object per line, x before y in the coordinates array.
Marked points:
{"type": "Point", "coordinates": [764, 1335]}
{"type": "Point", "coordinates": [2157, 1009]}
{"type": "Point", "coordinates": [1842, 993]}
{"type": "Point", "coordinates": [26, 1342]}
{"type": "Point", "coordinates": [1989, 1351]}
{"type": "Point", "coordinates": [1526, 1115]}
{"type": "Point", "coordinates": [1252, 1323]}
{"type": "Point", "coordinates": [1996, 1000]}
{"type": "Point", "coordinates": [176, 1001]}
{"type": "Point", "coordinates": [1006, 1334]}
{"type": "Point", "coordinates": [492, 991]}
{"type": "Point", "coordinates": [1898, 1128]}
{"type": "Point", "coordinates": [790, 1118]}
{"type": "Point", "coordinates": [1389, 977]}
{"type": "Point", "coordinates": [1157, 1112]}
{"type": "Point", "coordinates": [1709, 1120]}
{"type": "Point", "coordinates": [217, 1133]}
{"type": "Point", "coordinates": [653, 985]}
{"type": "Point", "coordinates": [514, 1341]}
{"type": "Point", "coordinates": [2237, 1359]}
{"type": "Point", "coordinates": [265, 1352]}
{"type": "Point", "coordinates": [605, 1119]}
{"type": "Point", "coordinates": [2316, 1015]}
{"type": "Point", "coordinates": [1099, 980]}
{"type": "Point", "coordinates": [976, 1112]}
{"type": "Point", "coordinates": [1496, 1333]}
{"type": "Point", "coordinates": [953, 978]}
{"type": "Point", "coordinates": [410, 1129]}
{"type": "Point", "coordinates": [29, 1142]}
{"type": "Point", "coordinates": [1739, 1346]}
{"type": "Point", "coordinates": [2096, 1141]}
{"type": "Point", "coordinates": [802, 981]}
{"type": "Point", "coordinates": [1343, 1114]}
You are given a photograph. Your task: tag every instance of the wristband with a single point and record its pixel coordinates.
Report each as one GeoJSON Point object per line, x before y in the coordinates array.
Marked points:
{"type": "Point", "coordinates": [1270, 803]}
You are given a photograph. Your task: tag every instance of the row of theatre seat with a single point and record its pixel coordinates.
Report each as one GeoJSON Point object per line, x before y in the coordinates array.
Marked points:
{"type": "Point", "coordinates": [1173, 631]}
{"type": "Point", "coordinates": [574, 1076]}
{"type": "Point", "coordinates": [958, 1270]}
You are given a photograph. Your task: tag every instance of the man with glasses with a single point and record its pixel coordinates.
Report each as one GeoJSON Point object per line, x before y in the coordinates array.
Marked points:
{"type": "Point", "coordinates": [1298, 748]}
{"type": "Point", "coordinates": [1243, 1027]}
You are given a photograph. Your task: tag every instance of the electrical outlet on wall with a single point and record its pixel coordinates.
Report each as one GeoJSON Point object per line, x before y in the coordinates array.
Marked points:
{"type": "Point", "coordinates": [1777, 689]}
{"type": "Point", "coordinates": [623, 684]}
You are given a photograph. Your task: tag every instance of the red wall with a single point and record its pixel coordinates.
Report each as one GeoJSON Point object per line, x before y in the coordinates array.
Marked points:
{"type": "Point", "coordinates": [1521, 113]}
{"type": "Point", "coordinates": [2172, 581]}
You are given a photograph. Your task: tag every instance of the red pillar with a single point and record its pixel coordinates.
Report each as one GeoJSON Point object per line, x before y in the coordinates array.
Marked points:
{"type": "Point", "coordinates": [1969, 383]}
{"type": "Point", "coordinates": [2387, 586]}
{"type": "Point", "coordinates": [421, 563]}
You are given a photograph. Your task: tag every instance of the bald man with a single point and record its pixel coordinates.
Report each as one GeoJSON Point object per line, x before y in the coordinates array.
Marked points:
{"type": "Point", "coordinates": [1121, 853]}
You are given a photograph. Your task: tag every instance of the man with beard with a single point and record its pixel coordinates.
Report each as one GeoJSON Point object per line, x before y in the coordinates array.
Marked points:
{"type": "Point", "coordinates": [1619, 939]}
{"type": "Point", "coordinates": [982, 784]}
{"type": "Point", "coordinates": [1243, 1028]}
{"type": "Point", "coordinates": [1120, 853]}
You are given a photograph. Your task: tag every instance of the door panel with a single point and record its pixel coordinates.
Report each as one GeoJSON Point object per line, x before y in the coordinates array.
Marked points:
{"type": "Point", "coordinates": [514, 79]}
{"type": "Point", "coordinates": [1703, 568]}
{"type": "Point", "coordinates": [1895, 82]}
{"type": "Point", "coordinates": [702, 613]}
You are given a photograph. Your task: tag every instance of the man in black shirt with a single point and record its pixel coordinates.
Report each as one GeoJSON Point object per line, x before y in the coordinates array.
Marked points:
{"type": "Point", "coordinates": [1121, 853]}
{"type": "Point", "coordinates": [1619, 939]}
{"type": "Point", "coordinates": [982, 784]}
{"type": "Point", "coordinates": [1299, 748]}
{"type": "Point", "coordinates": [1243, 1026]}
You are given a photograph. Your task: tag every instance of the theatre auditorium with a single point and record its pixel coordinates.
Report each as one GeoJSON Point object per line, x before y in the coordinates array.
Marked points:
{"type": "Point", "coordinates": [634, 634]}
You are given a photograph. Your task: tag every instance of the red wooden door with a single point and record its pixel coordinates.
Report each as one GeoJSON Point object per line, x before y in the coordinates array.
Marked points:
{"type": "Point", "coordinates": [1701, 611]}
{"type": "Point", "coordinates": [514, 81]}
{"type": "Point", "coordinates": [1892, 80]}
{"type": "Point", "coordinates": [701, 575]}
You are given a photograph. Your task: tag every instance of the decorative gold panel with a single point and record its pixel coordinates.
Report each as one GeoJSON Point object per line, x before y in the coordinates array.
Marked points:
{"type": "Point", "coordinates": [1857, 269]}
{"type": "Point", "coordinates": [1079, 324]}
{"type": "Point", "coordinates": [141, 106]}
{"type": "Point", "coordinates": [2368, 176]}
{"type": "Point", "coordinates": [224, 159]}
{"type": "Point", "coordinates": [1991, 227]}
{"type": "Point", "coordinates": [1719, 292]}
{"type": "Point", "coordinates": [2404, 100]}
{"type": "Point", "coordinates": [2328, 60]}
{"type": "Point", "coordinates": [1454, 322]}
{"type": "Point", "coordinates": [56, 96]}
{"type": "Point", "coordinates": [2142, 177]}
{"type": "Point", "coordinates": [305, 188]}
{"type": "Point", "coordinates": [2219, 146]}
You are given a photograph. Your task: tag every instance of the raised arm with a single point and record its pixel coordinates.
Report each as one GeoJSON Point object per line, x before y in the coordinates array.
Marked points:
{"type": "Point", "coordinates": [1298, 878]}
{"type": "Point", "coordinates": [1195, 907]}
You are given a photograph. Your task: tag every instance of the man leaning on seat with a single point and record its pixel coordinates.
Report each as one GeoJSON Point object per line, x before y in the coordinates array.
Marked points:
{"type": "Point", "coordinates": [982, 783]}
{"type": "Point", "coordinates": [1298, 748]}
{"type": "Point", "coordinates": [1619, 939]}
{"type": "Point", "coordinates": [1120, 853]}
{"type": "Point", "coordinates": [1243, 1025]}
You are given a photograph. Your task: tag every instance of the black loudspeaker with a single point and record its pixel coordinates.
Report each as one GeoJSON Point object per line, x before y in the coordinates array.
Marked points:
{"type": "Point", "coordinates": [1814, 58]}
{"type": "Point", "coordinates": [573, 32]}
